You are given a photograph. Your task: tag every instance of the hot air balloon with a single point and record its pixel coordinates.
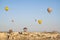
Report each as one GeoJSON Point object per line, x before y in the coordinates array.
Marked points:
{"type": "Point", "coordinates": [25, 29]}
{"type": "Point", "coordinates": [12, 20]}
{"type": "Point", "coordinates": [6, 8]}
{"type": "Point", "coordinates": [40, 21]}
{"type": "Point", "coordinates": [35, 20]}
{"type": "Point", "coordinates": [10, 30]}
{"type": "Point", "coordinates": [49, 10]}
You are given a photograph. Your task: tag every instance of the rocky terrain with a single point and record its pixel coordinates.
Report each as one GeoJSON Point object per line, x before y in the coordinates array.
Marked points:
{"type": "Point", "coordinates": [29, 36]}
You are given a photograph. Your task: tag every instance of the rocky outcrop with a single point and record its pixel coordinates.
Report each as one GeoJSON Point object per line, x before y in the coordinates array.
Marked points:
{"type": "Point", "coordinates": [29, 36]}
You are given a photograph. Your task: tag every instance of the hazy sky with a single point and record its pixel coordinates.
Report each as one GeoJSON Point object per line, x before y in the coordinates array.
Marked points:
{"type": "Point", "coordinates": [24, 13]}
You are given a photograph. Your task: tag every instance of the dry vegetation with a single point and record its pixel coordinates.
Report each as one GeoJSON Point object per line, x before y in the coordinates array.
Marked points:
{"type": "Point", "coordinates": [30, 36]}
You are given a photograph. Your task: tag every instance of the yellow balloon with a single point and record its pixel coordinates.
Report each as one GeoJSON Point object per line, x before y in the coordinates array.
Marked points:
{"type": "Point", "coordinates": [6, 8]}
{"type": "Point", "coordinates": [40, 21]}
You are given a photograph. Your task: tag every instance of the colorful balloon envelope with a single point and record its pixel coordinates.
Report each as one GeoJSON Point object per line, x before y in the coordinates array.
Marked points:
{"type": "Point", "coordinates": [6, 8]}
{"type": "Point", "coordinates": [49, 10]}
{"type": "Point", "coordinates": [39, 21]}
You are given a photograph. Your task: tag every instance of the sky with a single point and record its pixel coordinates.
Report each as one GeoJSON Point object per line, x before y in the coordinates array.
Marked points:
{"type": "Point", "coordinates": [24, 13]}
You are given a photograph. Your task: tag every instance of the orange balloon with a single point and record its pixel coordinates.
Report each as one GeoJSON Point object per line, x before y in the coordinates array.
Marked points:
{"type": "Point", "coordinates": [49, 10]}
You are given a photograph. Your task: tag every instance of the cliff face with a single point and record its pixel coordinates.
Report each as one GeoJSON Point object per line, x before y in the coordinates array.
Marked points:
{"type": "Point", "coordinates": [29, 36]}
